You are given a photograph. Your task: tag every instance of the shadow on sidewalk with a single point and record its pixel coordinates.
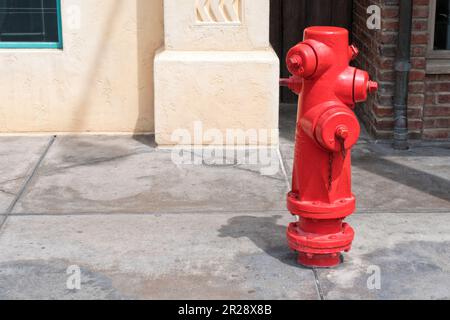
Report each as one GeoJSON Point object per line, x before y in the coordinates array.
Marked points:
{"type": "Point", "coordinates": [147, 140]}
{"type": "Point", "coordinates": [422, 181]}
{"type": "Point", "coordinates": [264, 232]}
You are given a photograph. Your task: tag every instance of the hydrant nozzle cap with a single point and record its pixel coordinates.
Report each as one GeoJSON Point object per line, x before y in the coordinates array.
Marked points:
{"type": "Point", "coordinates": [372, 86]}
{"type": "Point", "coordinates": [295, 63]}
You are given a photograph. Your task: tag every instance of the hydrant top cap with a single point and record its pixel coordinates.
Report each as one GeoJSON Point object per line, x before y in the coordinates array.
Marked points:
{"type": "Point", "coordinates": [334, 37]}
{"type": "Point", "coordinates": [325, 30]}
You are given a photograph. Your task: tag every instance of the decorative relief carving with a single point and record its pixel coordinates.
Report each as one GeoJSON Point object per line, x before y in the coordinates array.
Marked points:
{"type": "Point", "coordinates": [218, 11]}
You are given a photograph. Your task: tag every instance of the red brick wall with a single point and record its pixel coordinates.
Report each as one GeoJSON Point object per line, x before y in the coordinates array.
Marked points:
{"type": "Point", "coordinates": [429, 95]}
{"type": "Point", "coordinates": [436, 114]}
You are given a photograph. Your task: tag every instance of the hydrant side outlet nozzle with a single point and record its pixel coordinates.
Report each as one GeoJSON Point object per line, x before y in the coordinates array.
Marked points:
{"type": "Point", "coordinates": [327, 129]}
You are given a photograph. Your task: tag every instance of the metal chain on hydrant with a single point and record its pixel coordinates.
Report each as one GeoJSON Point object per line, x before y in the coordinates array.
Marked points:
{"type": "Point", "coordinates": [330, 171]}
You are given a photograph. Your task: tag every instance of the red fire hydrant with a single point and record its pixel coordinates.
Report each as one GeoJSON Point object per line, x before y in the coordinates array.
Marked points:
{"type": "Point", "coordinates": [327, 129]}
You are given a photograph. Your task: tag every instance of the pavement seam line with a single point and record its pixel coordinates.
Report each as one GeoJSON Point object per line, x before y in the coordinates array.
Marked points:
{"type": "Point", "coordinates": [318, 286]}
{"type": "Point", "coordinates": [316, 277]}
{"type": "Point", "coordinates": [196, 212]}
{"type": "Point", "coordinates": [283, 169]}
{"type": "Point", "coordinates": [27, 181]}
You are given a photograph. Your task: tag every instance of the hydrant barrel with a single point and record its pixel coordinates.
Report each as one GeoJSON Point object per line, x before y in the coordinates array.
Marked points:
{"type": "Point", "coordinates": [327, 129]}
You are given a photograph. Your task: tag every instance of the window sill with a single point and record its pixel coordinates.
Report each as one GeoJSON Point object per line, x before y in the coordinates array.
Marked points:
{"type": "Point", "coordinates": [30, 45]}
{"type": "Point", "coordinates": [438, 66]}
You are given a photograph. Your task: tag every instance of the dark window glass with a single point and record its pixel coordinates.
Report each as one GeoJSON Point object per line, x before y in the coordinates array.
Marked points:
{"type": "Point", "coordinates": [28, 21]}
{"type": "Point", "coordinates": [442, 31]}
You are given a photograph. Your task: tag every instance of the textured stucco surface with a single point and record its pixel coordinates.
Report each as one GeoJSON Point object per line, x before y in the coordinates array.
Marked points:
{"type": "Point", "coordinates": [100, 82]}
{"type": "Point", "coordinates": [224, 90]}
{"type": "Point", "coordinates": [184, 32]}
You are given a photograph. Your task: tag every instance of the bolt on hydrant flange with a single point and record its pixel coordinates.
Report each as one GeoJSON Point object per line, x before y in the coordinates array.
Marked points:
{"type": "Point", "coordinates": [327, 129]}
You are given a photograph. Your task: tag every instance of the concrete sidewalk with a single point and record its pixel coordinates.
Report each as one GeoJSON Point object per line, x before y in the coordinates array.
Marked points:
{"type": "Point", "coordinates": [140, 226]}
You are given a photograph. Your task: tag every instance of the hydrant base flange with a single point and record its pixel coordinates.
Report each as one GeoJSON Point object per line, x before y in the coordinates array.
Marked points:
{"type": "Point", "coordinates": [319, 210]}
{"type": "Point", "coordinates": [319, 250]}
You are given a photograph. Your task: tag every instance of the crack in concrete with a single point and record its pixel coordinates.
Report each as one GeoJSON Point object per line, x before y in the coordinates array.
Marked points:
{"type": "Point", "coordinates": [7, 192]}
{"type": "Point", "coordinates": [239, 166]}
{"type": "Point", "coordinates": [12, 180]}
{"type": "Point", "coordinates": [318, 286]}
{"type": "Point", "coordinates": [93, 162]}
{"type": "Point", "coordinates": [272, 177]}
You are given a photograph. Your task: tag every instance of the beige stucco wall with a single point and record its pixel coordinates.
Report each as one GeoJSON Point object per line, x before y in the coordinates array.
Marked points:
{"type": "Point", "coordinates": [100, 82]}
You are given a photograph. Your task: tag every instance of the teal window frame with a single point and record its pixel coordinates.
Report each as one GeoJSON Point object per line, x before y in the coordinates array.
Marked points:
{"type": "Point", "coordinates": [39, 45]}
